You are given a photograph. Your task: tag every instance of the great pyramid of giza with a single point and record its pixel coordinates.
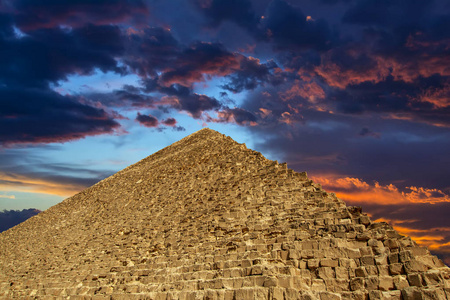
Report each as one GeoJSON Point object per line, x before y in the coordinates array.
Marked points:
{"type": "Point", "coordinates": [207, 218]}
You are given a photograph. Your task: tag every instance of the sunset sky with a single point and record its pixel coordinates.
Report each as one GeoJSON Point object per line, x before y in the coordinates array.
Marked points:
{"type": "Point", "coordinates": [355, 92]}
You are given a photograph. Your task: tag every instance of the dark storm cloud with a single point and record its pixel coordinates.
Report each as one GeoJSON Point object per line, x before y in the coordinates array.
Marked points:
{"type": "Point", "coordinates": [125, 98]}
{"type": "Point", "coordinates": [31, 111]}
{"type": "Point", "coordinates": [6, 27]}
{"type": "Point", "coordinates": [332, 2]}
{"type": "Point", "coordinates": [387, 12]}
{"type": "Point", "coordinates": [238, 11]}
{"type": "Point", "coordinates": [11, 218]}
{"type": "Point", "coordinates": [31, 15]}
{"type": "Point", "coordinates": [43, 116]}
{"type": "Point", "coordinates": [403, 100]}
{"type": "Point", "coordinates": [199, 60]}
{"type": "Point", "coordinates": [151, 50]}
{"type": "Point", "coordinates": [367, 132]}
{"type": "Point", "coordinates": [181, 98]}
{"type": "Point", "coordinates": [49, 55]}
{"type": "Point", "coordinates": [251, 74]}
{"type": "Point", "coordinates": [287, 26]}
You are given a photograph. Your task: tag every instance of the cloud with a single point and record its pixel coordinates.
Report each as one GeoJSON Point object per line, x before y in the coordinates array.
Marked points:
{"type": "Point", "coordinates": [129, 97]}
{"type": "Point", "coordinates": [354, 190]}
{"type": "Point", "coordinates": [239, 11]}
{"type": "Point", "coordinates": [252, 73]}
{"type": "Point", "coordinates": [39, 182]}
{"type": "Point", "coordinates": [198, 61]}
{"type": "Point", "coordinates": [367, 132]}
{"type": "Point", "coordinates": [181, 98]}
{"type": "Point", "coordinates": [151, 50]}
{"type": "Point", "coordinates": [287, 27]}
{"type": "Point", "coordinates": [10, 218]}
{"type": "Point", "coordinates": [43, 116]}
{"type": "Point", "coordinates": [49, 55]}
{"type": "Point", "coordinates": [147, 120]}
{"type": "Point", "coordinates": [24, 170]}
{"type": "Point", "coordinates": [386, 12]}
{"type": "Point", "coordinates": [169, 122]}
{"type": "Point", "coordinates": [234, 115]}
{"type": "Point", "coordinates": [8, 196]}
{"type": "Point", "coordinates": [32, 15]}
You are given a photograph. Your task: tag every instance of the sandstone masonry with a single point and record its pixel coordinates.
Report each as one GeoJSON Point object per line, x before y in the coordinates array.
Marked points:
{"type": "Point", "coordinates": [207, 218]}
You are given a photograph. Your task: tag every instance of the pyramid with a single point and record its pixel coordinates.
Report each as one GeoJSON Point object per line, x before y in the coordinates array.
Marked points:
{"type": "Point", "coordinates": [207, 218]}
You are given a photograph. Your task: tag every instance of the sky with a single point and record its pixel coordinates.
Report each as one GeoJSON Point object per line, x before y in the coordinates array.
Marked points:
{"type": "Point", "coordinates": [355, 92]}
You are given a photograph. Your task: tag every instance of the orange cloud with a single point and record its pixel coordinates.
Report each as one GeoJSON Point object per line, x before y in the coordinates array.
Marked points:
{"type": "Point", "coordinates": [355, 190]}
{"type": "Point", "coordinates": [379, 68]}
{"type": "Point", "coordinates": [307, 90]}
{"type": "Point", "coordinates": [438, 97]}
{"type": "Point", "coordinates": [23, 183]}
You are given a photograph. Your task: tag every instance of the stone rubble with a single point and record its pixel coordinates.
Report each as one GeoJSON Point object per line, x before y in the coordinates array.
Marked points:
{"type": "Point", "coordinates": [207, 218]}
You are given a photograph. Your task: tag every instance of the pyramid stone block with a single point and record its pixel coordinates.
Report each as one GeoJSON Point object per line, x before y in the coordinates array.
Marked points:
{"type": "Point", "coordinates": [207, 218]}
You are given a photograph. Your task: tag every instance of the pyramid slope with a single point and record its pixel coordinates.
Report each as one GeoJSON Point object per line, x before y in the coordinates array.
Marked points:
{"type": "Point", "coordinates": [207, 218]}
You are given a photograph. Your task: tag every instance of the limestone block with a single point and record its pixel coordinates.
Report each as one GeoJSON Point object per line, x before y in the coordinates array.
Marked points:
{"type": "Point", "coordinates": [391, 295]}
{"type": "Point", "coordinates": [357, 284]}
{"type": "Point", "coordinates": [345, 262]}
{"type": "Point", "coordinates": [393, 258]}
{"type": "Point", "coordinates": [294, 254]}
{"type": "Point", "coordinates": [302, 264]}
{"type": "Point", "coordinates": [381, 259]}
{"type": "Point", "coordinates": [353, 253]}
{"type": "Point", "coordinates": [371, 282]}
{"type": "Point", "coordinates": [386, 283]}
{"type": "Point", "coordinates": [365, 220]}
{"type": "Point", "coordinates": [392, 244]}
{"type": "Point", "coordinates": [383, 270]}
{"type": "Point", "coordinates": [318, 285]}
{"type": "Point", "coordinates": [313, 264]}
{"type": "Point", "coordinates": [433, 294]}
{"type": "Point", "coordinates": [414, 280]}
{"type": "Point", "coordinates": [396, 269]}
{"type": "Point", "coordinates": [325, 272]}
{"type": "Point", "coordinates": [405, 255]}
{"type": "Point", "coordinates": [275, 293]}
{"type": "Point", "coordinates": [328, 262]}
{"type": "Point", "coordinates": [356, 295]}
{"type": "Point", "coordinates": [414, 266]}
{"type": "Point", "coordinates": [364, 236]}
{"type": "Point", "coordinates": [432, 277]}
{"type": "Point", "coordinates": [375, 295]}
{"type": "Point", "coordinates": [291, 294]}
{"type": "Point", "coordinates": [407, 242]}
{"type": "Point", "coordinates": [412, 293]}
{"type": "Point", "coordinates": [270, 281]}
{"type": "Point", "coordinates": [341, 273]}
{"type": "Point", "coordinates": [244, 294]}
{"type": "Point", "coordinates": [256, 270]}
{"type": "Point", "coordinates": [361, 272]}
{"type": "Point", "coordinates": [329, 296]}
{"type": "Point", "coordinates": [367, 260]}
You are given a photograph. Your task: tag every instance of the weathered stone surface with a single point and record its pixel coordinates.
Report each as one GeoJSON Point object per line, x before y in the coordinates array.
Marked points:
{"type": "Point", "coordinates": [207, 218]}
